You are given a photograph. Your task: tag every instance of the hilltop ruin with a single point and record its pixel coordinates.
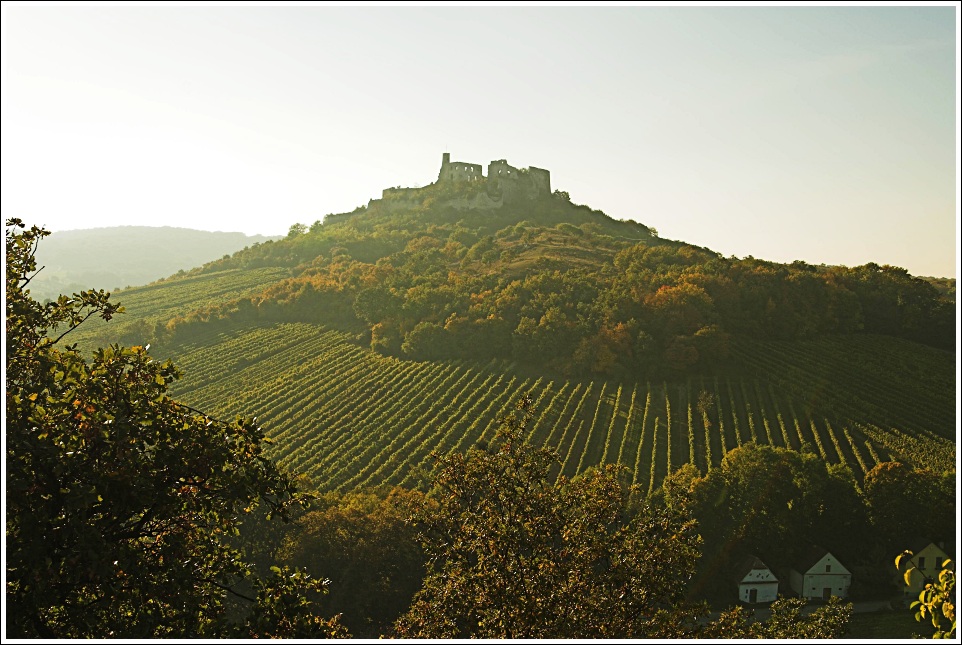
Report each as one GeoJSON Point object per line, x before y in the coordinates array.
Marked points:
{"type": "Point", "coordinates": [505, 183]}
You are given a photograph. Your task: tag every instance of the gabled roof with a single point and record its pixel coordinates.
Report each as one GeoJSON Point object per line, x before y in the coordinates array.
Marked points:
{"type": "Point", "coordinates": [749, 564]}
{"type": "Point", "coordinates": [918, 543]}
{"type": "Point", "coordinates": [811, 557]}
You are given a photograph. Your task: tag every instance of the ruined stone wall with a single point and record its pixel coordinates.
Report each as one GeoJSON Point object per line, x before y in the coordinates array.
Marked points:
{"type": "Point", "coordinates": [504, 183]}
{"type": "Point", "coordinates": [397, 192]}
{"type": "Point", "coordinates": [512, 183]}
{"type": "Point", "coordinates": [396, 203]}
{"type": "Point", "coordinates": [541, 179]}
{"type": "Point", "coordinates": [459, 171]}
{"type": "Point", "coordinates": [501, 170]}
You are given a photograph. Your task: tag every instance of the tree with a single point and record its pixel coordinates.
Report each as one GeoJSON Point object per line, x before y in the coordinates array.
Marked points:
{"type": "Point", "coordinates": [762, 497]}
{"type": "Point", "coordinates": [361, 540]}
{"type": "Point", "coordinates": [514, 555]}
{"type": "Point", "coordinates": [426, 341]}
{"type": "Point", "coordinates": [770, 502]}
{"type": "Point", "coordinates": [706, 405]}
{"type": "Point", "coordinates": [296, 230]}
{"type": "Point", "coordinates": [120, 500]}
{"type": "Point", "coordinates": [936, 601]}
{"type": "Point", "coordinates": [895, 492]}
{"type": "Point", "coordinates": [374, 304]}
{"type": "Point", "coordinates": [786, 620]}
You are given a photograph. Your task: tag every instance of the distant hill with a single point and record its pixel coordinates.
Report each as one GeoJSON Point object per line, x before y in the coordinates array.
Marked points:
{"type": "Point", "coordinates": [121, 256]}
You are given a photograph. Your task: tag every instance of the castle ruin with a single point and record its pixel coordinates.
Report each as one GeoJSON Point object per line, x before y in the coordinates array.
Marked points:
{"type": "Point", "coordinates": [504, 182]}
{"type": "Point", "coordinates": [531, 182]}
{"type": "Point", "coordinates": [458, 170]}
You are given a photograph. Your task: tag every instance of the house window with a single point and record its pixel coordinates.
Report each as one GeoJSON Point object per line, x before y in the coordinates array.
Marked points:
{"type": "Point", "coordinates": [828, 568]}
{"type": "Point", "coordinates": [922, 563]}
{"type": "Point", "coordinates": [938, 563]}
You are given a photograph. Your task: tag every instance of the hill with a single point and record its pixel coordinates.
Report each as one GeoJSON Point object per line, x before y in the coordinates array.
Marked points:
{"type": "Point", "coordinates": [367, 341]}
{"type": "Point", "coordinates": [112, 257]}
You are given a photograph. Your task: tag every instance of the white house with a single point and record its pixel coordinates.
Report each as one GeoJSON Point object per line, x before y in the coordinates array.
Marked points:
{"type": "Point", "coordinates": [820, 575]}
{"type": "Point", "coordinates": [756, 582]}
{"type": "Point", "coordinates": [927, 561]}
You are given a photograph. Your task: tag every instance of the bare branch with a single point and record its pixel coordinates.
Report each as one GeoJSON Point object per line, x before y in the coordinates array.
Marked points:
{"type": "Point", "coordinates": [33, 276]}
{"type": "Point", "coordinates": [72, 327]}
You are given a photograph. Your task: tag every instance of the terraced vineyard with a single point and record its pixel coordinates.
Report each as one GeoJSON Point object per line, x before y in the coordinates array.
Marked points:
{"type": "Point", "coordinates": [161, 301]}
{"type": "Point", "coordinates": [348, 417]}
{"type": "Point", "coordinates": [899, 394]}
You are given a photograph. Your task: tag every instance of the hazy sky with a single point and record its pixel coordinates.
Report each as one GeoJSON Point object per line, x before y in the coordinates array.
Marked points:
{"type": "Point", "coordinates": [825, 134]}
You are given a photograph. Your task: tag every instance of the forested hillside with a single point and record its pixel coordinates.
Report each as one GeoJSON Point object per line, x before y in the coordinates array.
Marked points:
{"type": "Point", "coordinates": [564, 288]}
{"type": "Point", "coordinates": [369, 340]}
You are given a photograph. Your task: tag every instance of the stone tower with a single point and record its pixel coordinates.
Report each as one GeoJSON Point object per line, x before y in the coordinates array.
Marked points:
{"type": "Point", "coordinates": [458, 170]}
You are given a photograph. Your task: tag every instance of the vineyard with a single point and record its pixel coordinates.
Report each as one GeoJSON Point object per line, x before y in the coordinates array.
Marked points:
{"type": "Point", "coordinates": [348, 417]}
{"type": "Point", "coordinates": [898, 393]}
{"type": "Point", "coordinates": [160, 301]}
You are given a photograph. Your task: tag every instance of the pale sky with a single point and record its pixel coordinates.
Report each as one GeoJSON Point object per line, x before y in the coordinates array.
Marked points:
{"type": "Point", "coordinates": [824, 134]}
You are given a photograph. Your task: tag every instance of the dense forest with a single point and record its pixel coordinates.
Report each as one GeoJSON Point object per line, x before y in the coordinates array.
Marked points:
{"type": "Point", "coordinates": [532, 421]}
